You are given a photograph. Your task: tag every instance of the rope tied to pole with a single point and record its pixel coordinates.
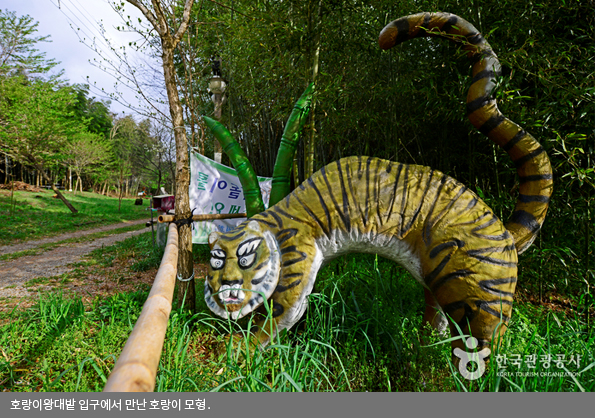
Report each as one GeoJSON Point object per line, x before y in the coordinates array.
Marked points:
{"type": "Point", "coordinates": [185, 221]}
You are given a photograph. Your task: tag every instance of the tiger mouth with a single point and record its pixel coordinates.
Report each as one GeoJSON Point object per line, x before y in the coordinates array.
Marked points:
{"type": "Point", "coordinates": [231, 295]}
{"type": "Point", "coordinates": [232, 301]}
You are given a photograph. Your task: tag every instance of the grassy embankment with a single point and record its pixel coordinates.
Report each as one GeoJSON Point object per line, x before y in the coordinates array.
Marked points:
{"type": "Point", "coordinates": [35, 215]}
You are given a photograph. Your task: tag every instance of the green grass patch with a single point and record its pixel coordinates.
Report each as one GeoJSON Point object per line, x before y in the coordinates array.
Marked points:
{"type": "Point", "coordinates": [361, 332]}
{"type": "Point", "coordinates": [139, 249]}
{"type": "Point", "coordinates": [38, 215]}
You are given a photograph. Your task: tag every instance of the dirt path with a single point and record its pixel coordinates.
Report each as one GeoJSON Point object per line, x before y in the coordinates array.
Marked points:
{"type": "Point", "coordinates": [28, 245]}
{"type": "Point", "coordinates": [15, 273]}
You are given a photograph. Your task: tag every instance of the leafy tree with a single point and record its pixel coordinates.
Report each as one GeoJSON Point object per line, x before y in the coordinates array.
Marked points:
{"type": "Point", "coordinates": [18, 54]}
{"type": "Point", "coordinates": [153, 151]}
{"type": "Point", "coordinates": [35, 124]}
{"type": "Point", "coordinates": [85, 152]}
{"type": "Point", "coordinates": [122, 137]}
{"type": "Point", "coordinates": [95, 113]}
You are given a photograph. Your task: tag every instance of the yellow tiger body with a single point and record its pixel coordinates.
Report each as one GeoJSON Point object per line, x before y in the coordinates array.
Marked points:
{"type": "Point", "coordinates": [440, 231]}
{"type": "Point", "coordinates": [428, 222]}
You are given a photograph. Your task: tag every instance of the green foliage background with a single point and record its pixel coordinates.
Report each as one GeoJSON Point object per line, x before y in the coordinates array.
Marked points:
{"type": "Point", "coordinates": [408, 104]}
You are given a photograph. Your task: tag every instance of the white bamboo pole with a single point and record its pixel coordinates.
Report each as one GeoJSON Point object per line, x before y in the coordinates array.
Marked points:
{"type": "Point", "coordinates": [136, 369]}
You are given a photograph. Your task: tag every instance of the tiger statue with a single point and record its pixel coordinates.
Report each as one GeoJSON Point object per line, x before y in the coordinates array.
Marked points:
{"type": "Point", "coordinates": [440, 231]}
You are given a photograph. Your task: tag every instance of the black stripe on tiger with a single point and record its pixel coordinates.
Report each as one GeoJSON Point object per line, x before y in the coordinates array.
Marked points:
{"type": "Point", "coordinates": [490, 73]}
{"type": "Point", "coordinates": [281, 288]}
{"type": "Point", "coordinates": [377, 196]}
{"type": "Point", "coordinates": [285, 234]}
{"type": "Point", "coordinates": [352, 190]}
{"type": "Point", "coordinates": [484, 225]}
{"type": "Point", "coordinates": [278, 309]}
{"type": "Point", "coordinates": [477, 254]}
{"type": "Point", "coordinates": [492, 123]}
{"type": "Point", "coordinates": [277, 218]}
{"type": "Point", "coordinates": [367, 200]}
{"type": "Point", "coordinates": [475, 38]}
{"type": "Point", "coordinates": [232, 282]}
{"type": "Point", "coordinates": [429, 224]}
{"type": "Point", "coordinates": [345, 213]}
{"type": "Point", "coordinates": [341, 214]}
{"type": "Point", "coordinates": [533, 198]}
{"type": "Point", "coordinates": [518, 163]}
{"type": "Point", "coordinates": [291, 276]}
{"type": "Point", "coordinates": [525, 219]}
{"type": "Point", "coordinates": [447, 26]}
{"type": "Point", "coordinates": [438, 248]}
{"type": "Point", "coordinates": [471, 205]}
{"type": "Point", "coordinates": [257, 281]}
{"type": "Point", "coordinates": [288, 249]}
{"type": "Point", "coordinates": [448, 277]}
{"type": "Point", "coordinates": [438, 269]}
{"type": "Point", "coordinates": [501, 237]}
{"type": "Point", "coordinates": [488, 286]}
{"type": "Point", "coordinates": [419, 206]}
{"type": "Point", "coordinates": [535, 177]}
{"type": "Point", "coordinates": [301, 257]}
{"type": "Point", "coordinates": [404, 198]}
{"type": "Point", "coordinates": [478, 103]}
{"type": "Point", "coordinates": [261, 265]}
{"type": "Point", "coordinates": [267, 223]}
{"type": "Point", "coordinates": [515, 140]}
{"type": "Point", "coordinates": [307, 209]}
{"type": "Point", "coordinates": [394, 195]}
{"type": "Point", "coordinates": [485, 306]}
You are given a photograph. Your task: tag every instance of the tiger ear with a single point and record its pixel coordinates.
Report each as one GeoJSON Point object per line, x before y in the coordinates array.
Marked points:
{"type": "Point", "coordinates": [254, 226]}
{"type": "Point", "coordinates": [213, 237]}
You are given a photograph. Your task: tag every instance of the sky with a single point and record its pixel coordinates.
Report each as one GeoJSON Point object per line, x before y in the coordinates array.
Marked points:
{"type": "Point", "coordinates": [74, 56]}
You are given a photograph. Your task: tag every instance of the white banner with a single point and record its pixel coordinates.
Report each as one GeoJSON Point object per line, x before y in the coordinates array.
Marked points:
{"type": "Point", "coordinates": [216, 188]}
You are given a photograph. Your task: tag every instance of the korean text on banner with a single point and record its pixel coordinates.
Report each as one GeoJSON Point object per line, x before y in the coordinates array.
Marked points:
{"type": "Point", "coordinates": [216, 188]}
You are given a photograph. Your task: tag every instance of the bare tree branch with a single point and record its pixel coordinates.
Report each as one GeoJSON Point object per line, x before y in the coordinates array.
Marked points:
{"type": "Point", "coordinates": [184, 24]}
{"type": "Point", "coordinates": [150, 16]}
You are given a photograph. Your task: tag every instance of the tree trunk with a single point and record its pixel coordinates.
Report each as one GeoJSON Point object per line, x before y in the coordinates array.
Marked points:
{"type": "Point", "coordinates": [311, 142]}
{"type": "Point", "coordinates": [120, 190]}
{"type": "Point", "coordinates": [55, 189]}
{"type": "Point", "coordinates": [186, 293]}
{"type": "Point", "coordinates": [5, 168]}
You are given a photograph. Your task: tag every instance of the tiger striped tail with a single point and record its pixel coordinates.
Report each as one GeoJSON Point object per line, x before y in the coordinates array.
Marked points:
{"type": "Point", "coordinates": [531, 160]}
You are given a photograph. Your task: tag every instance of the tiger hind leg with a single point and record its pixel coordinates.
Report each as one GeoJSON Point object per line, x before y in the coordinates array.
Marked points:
{"type": "Point", "coordinates": [433, 315]}
{"type": "Point", "coordinates": [478, 307]}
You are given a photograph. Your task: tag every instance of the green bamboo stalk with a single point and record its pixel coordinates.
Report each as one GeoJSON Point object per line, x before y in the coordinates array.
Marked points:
{"type": "Point", "coordinates": [289, 141]}
{"type": "Point", "coordinates": [239, 160]}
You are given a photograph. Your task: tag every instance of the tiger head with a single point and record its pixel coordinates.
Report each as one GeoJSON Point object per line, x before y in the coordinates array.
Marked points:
{"type": "Point", "coordinates": [243, 271]}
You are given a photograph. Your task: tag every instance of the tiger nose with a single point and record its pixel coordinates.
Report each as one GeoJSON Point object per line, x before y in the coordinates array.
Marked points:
{"type": "Point", "coordinates": [232, 283]}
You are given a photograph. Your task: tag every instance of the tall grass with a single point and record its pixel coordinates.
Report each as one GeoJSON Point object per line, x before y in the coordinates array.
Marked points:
{"type": "Point", "coordinates": [361, 332]}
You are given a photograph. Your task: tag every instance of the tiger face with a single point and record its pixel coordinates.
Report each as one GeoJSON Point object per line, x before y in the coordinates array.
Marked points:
{"type": "Point", "coordinates": [243, 270]}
